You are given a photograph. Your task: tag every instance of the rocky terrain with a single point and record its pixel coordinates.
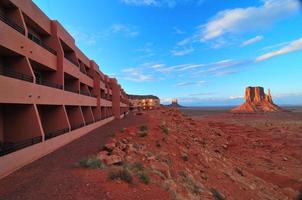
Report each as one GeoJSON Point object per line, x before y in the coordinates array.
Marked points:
{"type": "Point", "coordinates": [257, 101]}
{"type": "Point", "coordinates": [164, 154]}
{"type": "Point", "coordinates": [226, 156]}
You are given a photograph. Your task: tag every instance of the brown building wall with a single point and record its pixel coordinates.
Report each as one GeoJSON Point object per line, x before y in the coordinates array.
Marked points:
{"type": "Point", "coordinates": [20, 123]}
{"type": "Point", "coordinates": [47, 83]}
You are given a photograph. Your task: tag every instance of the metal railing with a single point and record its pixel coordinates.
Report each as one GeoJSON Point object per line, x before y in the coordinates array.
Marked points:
{"type": "Point", "coordinates": [56, 133]}
{"type": "Point", "coordinates": [48, 83]}
{"type": "Point", "coordinates": [85, 93]}
{"type": "Point", "coordinates": [70, 60]}
{"type": "Point", "coordinates": [12, 24]}
{"type": "Point", "coordinates": [77, 126]}
{"type": "Point", "coordinates": [103, 96]}
{"type": "Point", "coordinates": [109, 98]}
{"type": "Point", "coordinates": [9, 147]}
{"type": "Point", "coordinates": [91, 76]}
{"type": "Point", "coordinates": [83, 71]}
{"type": "Point", "coordinates": [69, 89]}
{"type": "Point", "coordinates": [89, 122]}
{"type": "Point", "coordinates": [13, 74]}
{"type": "Point", "coordinates": [39, 42]}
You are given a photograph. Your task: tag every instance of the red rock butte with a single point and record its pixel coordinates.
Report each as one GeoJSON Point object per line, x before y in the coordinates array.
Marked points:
{"type": "Point", "coordinates": [257, 101]}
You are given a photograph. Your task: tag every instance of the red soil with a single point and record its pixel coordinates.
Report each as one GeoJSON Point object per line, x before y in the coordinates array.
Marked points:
{"type": "Point", "coordinates": [236, 156]}
{"type": "Point", "coordinates": [56, 176]}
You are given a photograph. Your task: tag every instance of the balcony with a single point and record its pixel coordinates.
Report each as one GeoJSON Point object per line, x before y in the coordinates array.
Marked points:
{"type": "Point", "coordinates": [89, 122]}
{"type": "Point", "coordinates": [39, 42]}
{"type": "Point", "coordinates": [90, 76]}
{"type": "Point", "coordinates": [85, 93]}
{"type": "Point", "coordinates": [77, 126]}
{"type": "Point", "coordinates": [70, 89]}
{"type": "Point", "coordinates": [9, 147]}
{"type": "Point", "coordinates": [56, 133]}
{"type": "Point", "coordinates": [85, 72]}
{"type": "Point", "coordinates": [40, 81]}
{"type": "Point", "coordinates": [17, 75]}
{"type": "Point", "coordinates": [12, 24]}
{"type": "Point", "coordinates": [70, 60]}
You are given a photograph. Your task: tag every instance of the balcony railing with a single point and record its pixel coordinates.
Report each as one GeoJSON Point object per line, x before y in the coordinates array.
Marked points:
{"type": "Point", "coordinates": [70, 60]}
{"type": "Point", "coordinates": [83, 71]}
{"type": "Point", "coordinates": [90, 75]}
{"type": "Point", "coordinates": [56, 133]}
{"type": "Point", "coordinates": [77, 126]}
{"type": "Point", "coordinates": [48, 83]}
{"type": "Point", "coordinates": [85, 93]}
{"type": "Point", "coordinates": [89, 122]}
{"type": "Point", "coordinates": [109, 98]}
{"type": "Point", "coordinates": [12, 24]}
{"type": "Point", "coordinates": [13, 74]}
{"type": "Point", "coordinates": [103, 96]}
{"type": "Point", "coordinates": [39, 42]}
{"type": "Point", "coordinates": [69, 89]}
{"type": "Point", "coordinates": [10, 147]}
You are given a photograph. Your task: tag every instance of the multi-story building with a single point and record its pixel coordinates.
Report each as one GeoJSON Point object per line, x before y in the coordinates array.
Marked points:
{"type": "Point", "coordinates": [50, 92]}
{"type": "Point", "coordinates": [143, 102]}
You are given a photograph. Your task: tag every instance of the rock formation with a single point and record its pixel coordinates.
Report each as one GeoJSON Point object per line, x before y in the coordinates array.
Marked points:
{"type": "Point", "coordinates": [257, 101]}
{"type": "Point", "coordinates": [175, 104]}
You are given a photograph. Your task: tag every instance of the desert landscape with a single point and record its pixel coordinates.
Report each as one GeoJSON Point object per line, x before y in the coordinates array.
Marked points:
{"type": "Point", "coordinates": [165, 154]}
{"type": "Point", "coordinates": [150, 100]}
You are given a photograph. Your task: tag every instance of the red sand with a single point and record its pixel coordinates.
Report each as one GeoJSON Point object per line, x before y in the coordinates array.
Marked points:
{"type": "Point", "coordinates": [241, 156]}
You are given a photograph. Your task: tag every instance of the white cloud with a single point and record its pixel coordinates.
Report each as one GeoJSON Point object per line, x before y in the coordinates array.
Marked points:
{"type": "Point", "coordinates": [235, 97]}
{"type": "Point", "coordinates": [141, 2]}
{"type": "Point", "coordinates": [136, 75]}
{"type": "Point", "coordinates": [161, 3]}
{"type": "Point", "coordinates": [291, 47]}
{"type": "Point", "coordinates": [244, 19]}
{"type": "Point", "coordinates": [185, 41]}
{"type": "Point", "coordinates": [224, 67]}
{"type": "Point", "coordinates": [182, 52]}
{"type": "Point", "coordinates": [178, 31]}
{"type": "Point", "coordinates": [83, 37]}
{"type": "Point", "coordinates": [190, 83]}
{"type": "Point", "coordinates": [274, 46]}
{"type": "Point", "coordinates": [201, 94]}
{"type": "Point", "coordinates": [253, 40]}
{"type": "Point", "coordinates": [190, 66]}
{"type": "Point", "coordinates": [157, 66]}
{"type": "Point", "coordinates": [166, 100]}
{"type": "Point", "coordinates": [127, 30]}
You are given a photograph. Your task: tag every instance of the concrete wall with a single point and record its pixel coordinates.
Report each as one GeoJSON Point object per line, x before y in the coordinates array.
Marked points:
{"type": "Point", "coordinates": [12, 162]}
{"type": "Point", "coordinates": [53, 118]}
{"type": "Point", "coordinates": [20, 123]}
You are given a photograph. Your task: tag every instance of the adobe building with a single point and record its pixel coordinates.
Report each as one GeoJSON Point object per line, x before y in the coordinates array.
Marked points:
{"type": "Point", "coordinates": [143, 102]}
{"type": "Point", "coordinates": [50, 92]}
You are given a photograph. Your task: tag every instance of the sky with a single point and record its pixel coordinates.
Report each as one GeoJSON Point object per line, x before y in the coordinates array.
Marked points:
{"type": "Point", "coordinates": [202, 52]}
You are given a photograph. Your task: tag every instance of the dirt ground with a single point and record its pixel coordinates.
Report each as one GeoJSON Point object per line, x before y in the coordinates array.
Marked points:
{"type": "Point", "coordinates": [220, 156]}
{"type": "Point", "coordinates": [56, 176]}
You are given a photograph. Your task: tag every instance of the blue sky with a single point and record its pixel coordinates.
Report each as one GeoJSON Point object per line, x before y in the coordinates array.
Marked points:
{"type": "Point", "coordinates": [203, 52]}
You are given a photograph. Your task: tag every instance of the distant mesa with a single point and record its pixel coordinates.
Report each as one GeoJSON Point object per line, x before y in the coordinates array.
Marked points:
{"type": "Point", "coordinates": [257, 101]}
{"type": "Point", "coordinates": [175, 104]}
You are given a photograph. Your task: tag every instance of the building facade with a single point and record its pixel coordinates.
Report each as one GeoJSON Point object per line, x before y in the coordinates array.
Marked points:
{"type": "Point", "coordinates": [143, 102]}
{"type": "Point", "coordinates": [48, 87]}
